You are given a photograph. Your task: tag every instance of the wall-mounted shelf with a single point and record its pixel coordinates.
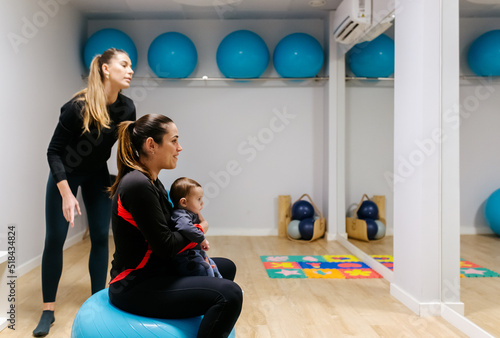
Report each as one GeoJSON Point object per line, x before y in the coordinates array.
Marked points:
{"type": "Point", "coordinates": [350, 78]}
{"type": "Point", "coordinates": [209, 79]}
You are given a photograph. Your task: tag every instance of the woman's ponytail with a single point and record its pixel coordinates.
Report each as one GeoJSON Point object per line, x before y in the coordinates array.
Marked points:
{"type": "Point", "coordinates": [127, 158]}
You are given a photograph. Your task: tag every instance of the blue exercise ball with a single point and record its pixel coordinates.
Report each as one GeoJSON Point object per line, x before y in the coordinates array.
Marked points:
{"type": "Point", "coordinates": [372, 58]}
{"type": "Point", "coordinates": [172, 55]}
{"type": "Point", "coordinates": [97, 317]}
{"type": "Point", "coordinates": [371, 228]}
{"type": "Point", "coordinates": [242, 54]}
{"type": "Point", "coordinates": [107, 38]}
{"type": "Point", "coordinates": [306, 228]}
{"type": "Point", "coordinates": [492, 211]}
{"type": "Point", "coordinates": [293, 229]}
{"type": "Point", "coordinates": [302, 209]}
{"type": "Point", "coordinates": [298, 55]}
{"type": "Point", "coordinates": [368, 209]}
{"type": "Point", "coordinates": [380, 230]}
{"type": "Point", "coordinates": [484, 54]}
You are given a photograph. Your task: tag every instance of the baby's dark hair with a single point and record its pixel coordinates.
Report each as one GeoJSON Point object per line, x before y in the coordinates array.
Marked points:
{"type": "Point", "coordinates": [181, 188]}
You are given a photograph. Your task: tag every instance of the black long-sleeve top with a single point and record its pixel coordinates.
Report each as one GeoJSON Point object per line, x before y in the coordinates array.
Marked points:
{"type": "Point", "coordinates": [70, 151]}
{"type": "Point", "coordinates": [144, 241]}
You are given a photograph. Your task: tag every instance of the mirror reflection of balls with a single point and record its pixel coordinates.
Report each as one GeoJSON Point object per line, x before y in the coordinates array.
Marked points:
{"type": "Point", "coordinates": [368, 209]}
{"type": "Point", "coordinates": [107, 38]}
{"type": "Point", "coordinates": [380, 230]}
{"type": "Point", "coordinates": [484, 54]}
{"type": "Point", "coordinates": [242, 54]}
{"type": "Point", "coordinates": [298, 55]}
{"type": "Point", "coordinates": [172, 55]}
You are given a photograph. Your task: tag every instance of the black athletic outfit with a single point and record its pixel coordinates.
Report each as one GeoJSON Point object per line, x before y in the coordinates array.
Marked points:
{"type": "Point", "coordinates": [80, 158]}
{"type": "Point", "coordinates": [144, 279]}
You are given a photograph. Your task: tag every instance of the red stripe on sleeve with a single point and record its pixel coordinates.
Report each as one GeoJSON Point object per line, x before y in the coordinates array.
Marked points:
{"type": "Point", "coordinates": [124, 213]}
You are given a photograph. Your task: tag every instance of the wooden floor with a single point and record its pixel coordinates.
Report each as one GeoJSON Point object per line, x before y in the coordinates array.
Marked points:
{"type": "Point", "coordinates": [480, 295]}
{"type": "Point", "coordinates": [287, 307]}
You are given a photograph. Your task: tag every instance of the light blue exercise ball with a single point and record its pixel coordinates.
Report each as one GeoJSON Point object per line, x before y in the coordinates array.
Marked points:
{"type": "Point", "coordinates": [381, 230]}
{"type": "Point", "coordinates": [172, 55]}
{"type": "Point", "coordinates": [107, 38]}
{"type": "Point", "coordinates": [372, 58]}
{"type": "Point", "coordinates": [242, 54]}
{"type": "Point", "coordinates": [298, 55]}
{"type": "Point", "coordinates": [293, 229]}
{"type": "Point", "coordinates": [492, 211]}
{"type": "Point", "coordinates": [484, 54]}
{"type": "Point", "coordinates": [98, 318]}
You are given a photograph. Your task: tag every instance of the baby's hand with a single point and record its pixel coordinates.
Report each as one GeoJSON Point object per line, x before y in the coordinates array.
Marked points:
{"type": "Point", "coordinates": [205, 245]}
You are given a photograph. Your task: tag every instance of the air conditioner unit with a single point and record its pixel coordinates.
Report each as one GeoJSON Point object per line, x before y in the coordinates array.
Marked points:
{"type": "Point", "coordinates": [356, 21]}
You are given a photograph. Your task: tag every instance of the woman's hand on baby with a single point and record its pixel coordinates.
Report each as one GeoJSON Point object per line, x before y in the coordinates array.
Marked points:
{"type": "Point", "coordinates": [205, 245]}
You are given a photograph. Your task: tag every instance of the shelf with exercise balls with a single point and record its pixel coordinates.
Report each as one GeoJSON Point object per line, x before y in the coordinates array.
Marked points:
{"type": "Point", "coordinates": [483, 55]}
{"type": "Point", "coordinates": [172, 55]}
{"type": "Point", "coordinates": [107, 38]}
{"type": "Point", "coordinates": [301, 221]}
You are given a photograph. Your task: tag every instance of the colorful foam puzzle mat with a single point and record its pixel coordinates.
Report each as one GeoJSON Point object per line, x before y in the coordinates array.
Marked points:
{"type": "Point", "coordinates": [345, 267]}
{"type": "Point", "coordinates": [326, 266]}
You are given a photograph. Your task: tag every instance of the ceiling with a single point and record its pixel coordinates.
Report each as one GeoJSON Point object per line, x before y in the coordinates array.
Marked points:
{"type": "Point", "coordinates": [239, 9]}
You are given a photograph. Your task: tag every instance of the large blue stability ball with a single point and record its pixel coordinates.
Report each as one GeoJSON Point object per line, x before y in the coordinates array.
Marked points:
{"type": "Point", "coordinates": [99, 318]}
{"type": "Point", "coordinates": [372, 58]}
{"type": "Point", "coordinates": [298, 55]}
{"type": "Point", "coordinates": [302, 209]}
{"type": "Point", "coordinates": [492, 211]}
{"type": "Point", "coordinates": [107, 38]}
{"type": "Point", "coordinates": [242, 54]}
{"type": "Point", "coordinates": [484, 54]}
{"type": "Point", "coordinates": [368, 209]}
{"type": "Point", "coordinates": [306, 228]}
{"type": "Point", "coordinates": [172, 55]}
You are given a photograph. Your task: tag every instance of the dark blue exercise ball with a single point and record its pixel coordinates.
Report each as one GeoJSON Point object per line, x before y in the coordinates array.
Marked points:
{"type": "Point", "coordinates": [371, 228]}
{"type": "Point", "coordinates": [298, 55]}
{"type": "Point", "coordinates": [302, 209]}
{"type": "Point", "coordinates": [372, 58]}
{"type": "Point", "coordinates": [484, 54]}
{"type": "Point", "coordinates": [107, 38]}
{"type": "Point", "coordinates": [172, 55]}
{"type": "Point", "coordinates": [368, 209]}
{"type": "Point", "coordinates": [242, 54]}
{"type": "Point", "coordinates": [306, 228]}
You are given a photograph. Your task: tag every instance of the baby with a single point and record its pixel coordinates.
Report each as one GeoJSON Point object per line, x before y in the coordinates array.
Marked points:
{"type": "Point", "coordinates": [187, 197]}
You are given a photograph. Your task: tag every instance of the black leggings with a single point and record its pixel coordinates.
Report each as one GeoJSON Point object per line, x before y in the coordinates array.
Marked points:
{"type": "Point", "coordinates": [98, 208]}
{"type": "Point", "coordinates": [218, 299]}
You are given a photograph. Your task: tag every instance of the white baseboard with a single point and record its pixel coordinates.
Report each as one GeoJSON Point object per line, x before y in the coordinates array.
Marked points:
{"type": "Point", "coordinates": [421, 309]}
{"type": "Point", "coordinates": [36, 261]}
{"type": "Point", "coordinates": [463, 324]}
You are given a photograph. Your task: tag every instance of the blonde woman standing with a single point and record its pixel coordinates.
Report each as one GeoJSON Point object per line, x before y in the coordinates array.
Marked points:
{"type": "Point", "coordinates": [77, 156]}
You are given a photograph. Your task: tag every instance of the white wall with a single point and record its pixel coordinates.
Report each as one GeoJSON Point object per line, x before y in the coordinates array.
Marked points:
{"type": "Point", "coordinates": [479, 133]}
{"type": "Point", "coordinates": [40, 68]}
{"type": "Point", "coordinates": [218, 120]}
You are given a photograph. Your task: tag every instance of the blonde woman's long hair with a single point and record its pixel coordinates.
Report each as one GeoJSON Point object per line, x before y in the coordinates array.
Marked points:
{"type": "Point", "coordinates": [131, 138]}
{"type": "Point", "coordinates": [95, 110]}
